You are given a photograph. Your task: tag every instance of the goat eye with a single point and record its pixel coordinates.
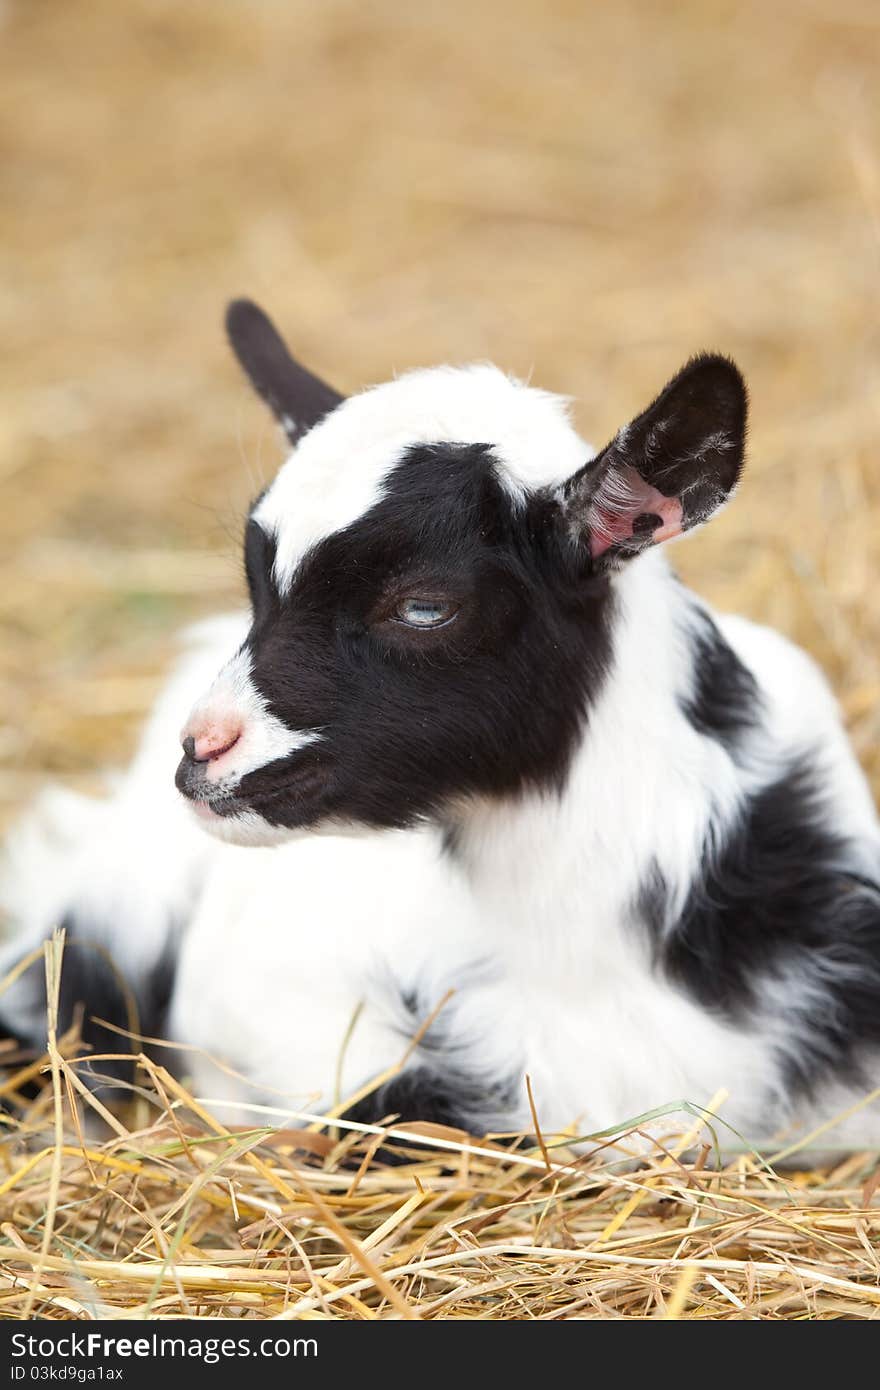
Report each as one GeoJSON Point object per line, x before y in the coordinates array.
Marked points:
{"type": "Point", "coordinates": [425, 612]}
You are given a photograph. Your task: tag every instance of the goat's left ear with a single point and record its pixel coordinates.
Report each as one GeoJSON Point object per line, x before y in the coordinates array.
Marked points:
{"type": "Point", "coordinates": [297, 398]}
{"type": "Point", "coordinates": [667, 471]}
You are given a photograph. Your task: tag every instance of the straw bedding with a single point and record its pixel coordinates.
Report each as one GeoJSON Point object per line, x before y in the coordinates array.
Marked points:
{"type": "Point", "coordinates": [585, 194]}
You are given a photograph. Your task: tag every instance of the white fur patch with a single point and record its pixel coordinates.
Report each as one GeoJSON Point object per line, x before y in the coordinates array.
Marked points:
{"type": "Point", "coordinates": [264, 739]}
{"type": "Point", "coordinates": [245, 828]}
{"type": "Point", "coordinates": [339, 470]}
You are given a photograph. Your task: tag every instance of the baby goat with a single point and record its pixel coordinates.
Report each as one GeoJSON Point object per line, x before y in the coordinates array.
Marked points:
{"type": "Point", "coordinates": [624, 840]}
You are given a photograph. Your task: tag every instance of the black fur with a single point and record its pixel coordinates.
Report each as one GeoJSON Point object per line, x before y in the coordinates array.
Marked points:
{"type": "Point", "coordinates": [441, 1097]}
{"type": "Point", "coordinates": [778, 897]}
{"type": "Point", "coordinates": [259, 559]}
{"type": "Point", "coordinates": [443, 1085]}
{"type": "Point", "coordinates": [92, 989]}
{"type": "Point", "coordinates": [297, 397]}
{"type": "Point", "coordinates": [489, 704]}
{"type": "Point", "coordinates": [724, 702]}
{"type": "Point", "coordinates": [429, 1095]}
{"type": "Point", "coordinates": [689, 444]}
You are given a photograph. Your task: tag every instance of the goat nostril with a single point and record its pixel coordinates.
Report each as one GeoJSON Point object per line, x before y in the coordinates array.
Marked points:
{"type": "Point", "coordinates": [217, 748]}
{"type": "Point", "coordinates": [205, 748]}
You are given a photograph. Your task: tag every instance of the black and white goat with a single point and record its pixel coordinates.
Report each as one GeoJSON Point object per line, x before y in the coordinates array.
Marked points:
{"type": "Point", "coordinates": [629, 835]}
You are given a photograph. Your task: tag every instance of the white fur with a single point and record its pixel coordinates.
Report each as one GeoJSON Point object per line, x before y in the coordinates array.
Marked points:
{"type": "Point", "coordinates": [233, 697]}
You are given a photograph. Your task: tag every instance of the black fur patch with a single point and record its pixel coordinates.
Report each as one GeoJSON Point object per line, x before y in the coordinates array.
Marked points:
{"type": "Point", "coordinates": [442, 1085]}
{"type": "Point", "coordinates": [447, 1097]}
{"type": "Point", "coordinates": [489, 704]}
{"type": "Point", "coordinates": [777, 899]}
{"type": "Point", "coordinates": [91, 989]}
{"type": "Point", "coordinates": [259, 560]}
{"type": "Point", "coordinates": [725, 701]}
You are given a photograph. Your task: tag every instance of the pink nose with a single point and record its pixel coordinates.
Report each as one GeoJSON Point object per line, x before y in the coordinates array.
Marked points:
{"type": "Point", "coordinates": [204, 744]}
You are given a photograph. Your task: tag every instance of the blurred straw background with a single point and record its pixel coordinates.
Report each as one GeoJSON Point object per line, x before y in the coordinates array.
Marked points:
{"type": "Point", "coordinates": [584, 193]}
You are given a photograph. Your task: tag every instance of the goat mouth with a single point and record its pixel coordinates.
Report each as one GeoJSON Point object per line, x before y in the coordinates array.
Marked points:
{"type": "Point", "coordinates": [293, 796]}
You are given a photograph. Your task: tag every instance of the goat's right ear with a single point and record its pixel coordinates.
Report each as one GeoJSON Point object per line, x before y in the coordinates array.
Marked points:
{"type": "Point", "coordinates": [296, 397]}
{"type": "Point", "coordinates": [667, 471]}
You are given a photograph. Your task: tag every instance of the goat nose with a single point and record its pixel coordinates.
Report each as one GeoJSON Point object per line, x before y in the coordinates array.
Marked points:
{"type": "Point", "coordinates": [212, 743]}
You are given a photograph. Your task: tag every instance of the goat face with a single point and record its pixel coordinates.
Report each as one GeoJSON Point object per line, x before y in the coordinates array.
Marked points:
{"type": "Point", "coordinates": [431, 581]}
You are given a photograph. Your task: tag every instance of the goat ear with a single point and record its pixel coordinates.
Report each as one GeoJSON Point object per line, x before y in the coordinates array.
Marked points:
{"type": "Point", "coordinates": [667, 471]}
{"type": "Point", "coordinates": [296, 397]}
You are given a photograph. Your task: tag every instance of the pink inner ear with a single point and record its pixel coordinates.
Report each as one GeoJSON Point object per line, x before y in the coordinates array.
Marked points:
{"type": "Point", "coordinates": [622, 498]}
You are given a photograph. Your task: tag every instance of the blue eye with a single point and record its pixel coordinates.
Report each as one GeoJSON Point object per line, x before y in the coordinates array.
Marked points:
{"type": "Point", "coordinates": [425, 612]}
